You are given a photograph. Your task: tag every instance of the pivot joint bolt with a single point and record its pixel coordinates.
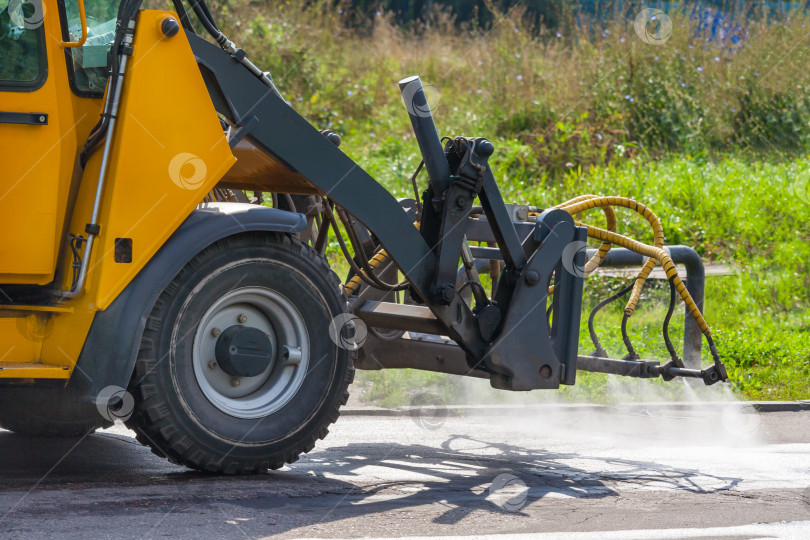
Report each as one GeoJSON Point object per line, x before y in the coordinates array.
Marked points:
{"type": "Point", "coordinates": [532, 277]}
{"type": "Point", "coordinates": [242, 318]}
{"type": "Point", "coordinates": [484, 148]}
{"type": "Point", "coordinates": [444, 293]}
{"type": "Point", "coordinates": [170, 27]}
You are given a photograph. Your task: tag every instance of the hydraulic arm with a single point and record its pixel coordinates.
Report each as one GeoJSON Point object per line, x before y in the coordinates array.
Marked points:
{"type": "Point", "coordinates": [524, 335]}
{"type": "Point", "coordinates": [508, 336]}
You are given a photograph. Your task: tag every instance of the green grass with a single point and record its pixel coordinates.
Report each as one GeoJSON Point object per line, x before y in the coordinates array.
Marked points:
{"type": "Point", "coordinates": [566, 101]}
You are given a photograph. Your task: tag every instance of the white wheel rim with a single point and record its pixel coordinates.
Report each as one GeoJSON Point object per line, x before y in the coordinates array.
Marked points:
{"type": "Point", "coordinates": [266, 393]}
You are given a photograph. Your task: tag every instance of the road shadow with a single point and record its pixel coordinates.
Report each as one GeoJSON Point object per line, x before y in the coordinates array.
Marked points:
{"type": "Point", "coordinates": [105, 474]}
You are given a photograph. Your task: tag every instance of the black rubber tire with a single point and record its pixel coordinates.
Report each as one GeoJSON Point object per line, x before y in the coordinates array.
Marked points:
{"type": "Point", "coordinates": [173, 416]}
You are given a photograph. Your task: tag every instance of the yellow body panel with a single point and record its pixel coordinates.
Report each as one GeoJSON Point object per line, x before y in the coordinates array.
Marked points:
{"type": "Point", "coordinates": [169, 150]}
{"type": "Point", "coordinates": [23, 334]}
{"type": "Point", "coordinates": [38, 166]}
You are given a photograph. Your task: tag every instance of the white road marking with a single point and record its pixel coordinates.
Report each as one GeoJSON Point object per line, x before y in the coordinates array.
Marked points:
{"type": "Point", "coordinates": [792, 530]}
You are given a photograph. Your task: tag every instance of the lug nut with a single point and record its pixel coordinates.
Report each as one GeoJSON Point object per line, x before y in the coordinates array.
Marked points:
{"type": "Point", "coordinates": [236, 381]}
{"type": "Point", "coordinates": [216, 332]}
{"type": "Point", "coordinates": [242, 318]}
{"type": "Point", "coordinates": [212, 364]}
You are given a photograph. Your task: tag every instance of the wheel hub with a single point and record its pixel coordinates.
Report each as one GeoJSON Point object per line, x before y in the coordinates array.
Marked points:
{"type": "Point", "coordinates": [242, 351]}
{"type": "Point", "coordinates": [259, 361]}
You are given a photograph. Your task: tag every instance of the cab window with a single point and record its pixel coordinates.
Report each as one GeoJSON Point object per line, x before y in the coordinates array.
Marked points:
{"type": "Point", "coordinates": [89, 63]}
{"type": "Point", "coordinates": [22, 53]}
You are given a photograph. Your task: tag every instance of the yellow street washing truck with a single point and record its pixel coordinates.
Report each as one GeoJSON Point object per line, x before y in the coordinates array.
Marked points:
{"type": "Point", "coordinates": [167, 213]}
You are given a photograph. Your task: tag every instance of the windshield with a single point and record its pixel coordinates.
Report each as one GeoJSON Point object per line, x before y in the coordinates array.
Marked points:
{"type": "Point", "coordinates": [21, 54]}
{"type": "Point", "coordinates": [89, 62]}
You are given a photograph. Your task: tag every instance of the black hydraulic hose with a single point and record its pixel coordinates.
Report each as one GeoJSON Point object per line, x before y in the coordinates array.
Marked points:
{"type": "Point", "coordinates": [600, 351]}
{"type": "Point", "coordinates": [673, 298]}
{"type": "Point", "coordinates": [416, 196]}
{"type": "Point", "coordinates": [631, 352]}
{"type": "Point", "coordinates": [91, 144]}
{"type": "Point", "coordinates": [127, 11]}
{"type": "Point", "coordinates": [200, 8]}
{"type": "Point", "coordinates": [204, 7]}
{"type": "Point", "coordinates": [206, 19]}
{"type": "Point", "coordinates": [391, 335]}
{"type": "Point", "coordinates": [365, 264]}
{"type": "Point", "coordinates": [713, 350]}
{"type": "Point", "coordinates": [370, 279]}
{"type": "Point", "coordinates": [183, 14]}
{"type": "Point", "coordinates": [290, 203]}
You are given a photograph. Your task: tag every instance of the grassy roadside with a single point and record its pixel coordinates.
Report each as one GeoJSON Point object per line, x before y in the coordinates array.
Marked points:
{"type": "Point", "coordinates": [571, 98]}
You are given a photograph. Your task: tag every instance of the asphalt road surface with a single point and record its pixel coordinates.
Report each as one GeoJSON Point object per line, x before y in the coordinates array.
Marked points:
{"type": "Point", "coordinates": [633, 472]}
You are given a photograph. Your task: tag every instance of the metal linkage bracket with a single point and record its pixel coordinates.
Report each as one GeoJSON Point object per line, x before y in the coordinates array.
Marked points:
{"type": "Point", "coordinates": [528, 354]}
{"type": "Point", "coordinates": [456, 204]}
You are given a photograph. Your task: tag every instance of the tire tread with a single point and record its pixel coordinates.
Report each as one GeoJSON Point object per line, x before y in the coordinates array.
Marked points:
{"type": "Point", "coordinates": [152, 421]}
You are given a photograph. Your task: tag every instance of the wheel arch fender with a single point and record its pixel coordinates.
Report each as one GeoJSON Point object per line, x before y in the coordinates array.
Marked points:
{"type": "Point", "coordinates": [111, 347]}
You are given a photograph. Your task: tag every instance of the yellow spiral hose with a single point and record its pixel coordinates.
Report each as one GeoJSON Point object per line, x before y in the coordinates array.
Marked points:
{"type": "Point", "coordinates": [655, 223]}
{"type": "Point", "coordinates": [611, 222]}
{"type": "Point", "coordinates": [663, 257]}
